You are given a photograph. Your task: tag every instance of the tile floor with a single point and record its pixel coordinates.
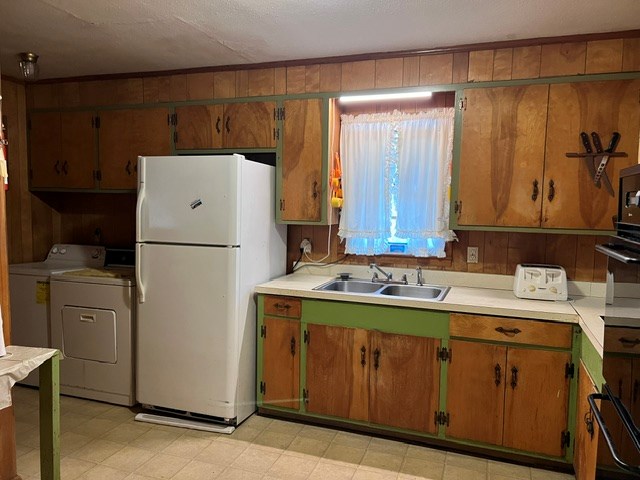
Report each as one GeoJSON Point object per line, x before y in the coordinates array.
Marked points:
{"type": "Point", "coordinates": [103, 442]}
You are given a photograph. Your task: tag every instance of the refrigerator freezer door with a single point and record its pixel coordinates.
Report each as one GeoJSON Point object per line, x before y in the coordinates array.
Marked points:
{"type": "Point", "coordinates": [189, 200]}
{"type": "Point", "coordinates": [187, 340]}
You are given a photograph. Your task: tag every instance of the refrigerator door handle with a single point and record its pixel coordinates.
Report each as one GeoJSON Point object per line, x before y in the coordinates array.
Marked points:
{"type": "Point", "coordinates": [139, 285]}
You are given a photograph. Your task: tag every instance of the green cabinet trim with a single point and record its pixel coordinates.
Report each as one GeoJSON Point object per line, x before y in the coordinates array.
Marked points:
{"type": "Point", "coordinates": [592, 361]}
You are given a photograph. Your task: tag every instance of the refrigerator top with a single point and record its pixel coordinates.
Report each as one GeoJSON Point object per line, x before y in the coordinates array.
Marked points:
{"type": "Point", "coordinates": [193, 200]}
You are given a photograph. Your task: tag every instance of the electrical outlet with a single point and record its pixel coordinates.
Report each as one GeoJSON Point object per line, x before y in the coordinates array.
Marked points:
{"type": "Point", "coordinates": [305, 245]}
{"type": "Point", "coordinates": [472, 254]}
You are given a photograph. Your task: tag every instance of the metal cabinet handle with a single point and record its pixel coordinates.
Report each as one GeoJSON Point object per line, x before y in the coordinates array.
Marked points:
{"type": "Point", "coordinates": [56, 167]}
{"type": "Point", "coordinates": [498, 371]}
{"type": "Point", "coordinates": [315, 190]}
{"type": "Point", "coordinates": [509, 332]}
{"type": "Point", "coordinates": [536, 191]}
{"type": "Point", "coordinates": [293, 346]}
{"type": "Point", "coordinates": [282, 306]}
{"type": "Point", "coordinates": [128, 167]}
{"type": "Point", "coordinates": [376, 358]}
{"type": "Point", "coordinates": [363, 352]}
{"type": "Point", "coordinates": [552, 190]}
{"type": "Point", "coordinates": [226, 125]}
{"type": "Point", "coordinates": [628, 342]}
{"type": "Point", "coordinates": [65, 167]}
{"type": "Point", "coordinates": [514, 377]}
{"type": "Point", "coordinates": [218, 125]}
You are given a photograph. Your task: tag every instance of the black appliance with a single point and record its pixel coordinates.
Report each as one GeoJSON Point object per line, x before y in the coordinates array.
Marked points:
{"type": "Point", "coordinates": [619, 413]}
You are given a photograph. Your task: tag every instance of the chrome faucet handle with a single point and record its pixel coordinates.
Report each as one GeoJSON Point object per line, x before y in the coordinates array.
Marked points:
{"type": "Point", "coordinates": [404, 279]}
{"type": "Point", "coordinates": [419, 280]}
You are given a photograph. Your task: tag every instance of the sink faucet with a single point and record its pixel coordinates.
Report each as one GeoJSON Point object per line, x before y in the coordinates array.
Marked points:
{"type": "Point", "coordinates": [388, 277]}
{"type": "Point", "coordinates": [420, 280]}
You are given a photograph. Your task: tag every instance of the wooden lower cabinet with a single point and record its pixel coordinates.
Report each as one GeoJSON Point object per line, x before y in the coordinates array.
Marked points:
{"type": "Point", "coordinates": [404, 380]}
{"type": "Point", "coordinates": [281, 362]}
{"type": "Point", "coordinates": [338, 372]}
{"type": "Point", "coordinates": [475, 391]}
{"type": "Point", "coordinates": [509, 396]}
{"type": "Point", "coordinates": [383, 378]}
{"type": "Point", "coordinates": [587, 430]}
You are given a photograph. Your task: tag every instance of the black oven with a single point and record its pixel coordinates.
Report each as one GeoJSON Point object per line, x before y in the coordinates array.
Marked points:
{"type": "Point", "coordinates": [619, 413]}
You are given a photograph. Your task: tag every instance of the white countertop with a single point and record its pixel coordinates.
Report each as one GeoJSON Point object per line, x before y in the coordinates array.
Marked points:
{"type": "Point", "coordinates": [583, 310]}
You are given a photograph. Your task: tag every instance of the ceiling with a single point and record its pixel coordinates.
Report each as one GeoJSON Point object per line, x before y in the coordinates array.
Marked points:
{"type": "Point", "coordinates": [92, 37]}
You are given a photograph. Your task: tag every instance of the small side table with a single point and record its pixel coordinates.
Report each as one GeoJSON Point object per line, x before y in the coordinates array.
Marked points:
{"type": "Point", "coordinates": [15, 366]}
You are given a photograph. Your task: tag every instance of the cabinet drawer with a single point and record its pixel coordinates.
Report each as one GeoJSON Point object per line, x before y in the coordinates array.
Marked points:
{"type": "Point", "coordinates": [511, 330]}
{"type": "Point", "coordinates": [282, 306]}
{"type": "Point", "coordinates": [622, 340]}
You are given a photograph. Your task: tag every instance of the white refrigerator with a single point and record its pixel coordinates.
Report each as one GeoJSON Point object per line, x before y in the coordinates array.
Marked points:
{"type": "Point", "coordinates": [205, 236]}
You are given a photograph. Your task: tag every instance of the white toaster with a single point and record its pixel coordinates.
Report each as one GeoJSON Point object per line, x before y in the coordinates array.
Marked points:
{"type": "Point", "coordinates": [540, 282]}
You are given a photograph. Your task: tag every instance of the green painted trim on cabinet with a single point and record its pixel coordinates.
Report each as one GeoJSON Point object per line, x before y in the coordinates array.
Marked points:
{"type": "Point", "coordinates": [592, 361]}
{"type": "Point", "coordinates": [259, 348]}
{"type": "Point", "coordinates": [407, 321]}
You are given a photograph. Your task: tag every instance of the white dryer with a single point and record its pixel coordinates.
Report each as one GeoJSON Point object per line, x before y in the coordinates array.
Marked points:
{"type": "Point", "coordinates": [29, 293]}
{"type": "Point", "coordinates": [92, 323]}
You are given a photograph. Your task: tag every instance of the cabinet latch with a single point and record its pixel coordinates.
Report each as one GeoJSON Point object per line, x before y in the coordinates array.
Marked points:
{"type": "Point", "coordinates": [441, 418]}
{"type": "Point", "coordinates": [569, 370]}
{"type": "Point", "coordinates": [565, 440]}
{"type": "Point", "coordinates": [98, 175]}
{"type": "Point", "coordinates": [305, 396]}
{"type": "Point", "coordinates": [95, 122]}
{"type": "Point", "coordinates": [443, 354]}
{"type": "Point", "coordinates": [307, 337]}
{"type": "Point", "coordinates": [263, 331]}
{"type": "Point", "coordinates": [263, 388]}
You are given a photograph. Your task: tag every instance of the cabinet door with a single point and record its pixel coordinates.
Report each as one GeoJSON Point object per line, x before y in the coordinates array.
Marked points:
{"type": "Point", "coordinates": [249, 125]}
{"type": "Point", "coordinates": [281, 363]}
{"type": "Point", "coordinates": [404, 381]}
{"type": "Point", "coordinates": [199, 127]}
{"type": "Point", "coordinates": [301, 195]}
{"type": "Point", "coordinates": [126, 134]}
{"type": "Point", "coordinates": [338, 372]}
{"type": "Point", "coordinates": [536, 400]}
{"type": "Point", "coordinates": [45, 149]}
{"type": "Point", "coordinates": [603, 107]}
{"type": "Point", "coordinates": [475, 391]}
{"type": "Point", "coordinates": [586, 444]}
{"type": "Point", "coordinates": [78, 149]}
{"type": "Point", "coordinates": [502, 155]}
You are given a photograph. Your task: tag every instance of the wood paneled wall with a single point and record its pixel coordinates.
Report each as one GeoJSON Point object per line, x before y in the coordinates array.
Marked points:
{"type": "Point", "coordinates": [498, 252]}
{"type": "Point", "coordinates": [38, 221]}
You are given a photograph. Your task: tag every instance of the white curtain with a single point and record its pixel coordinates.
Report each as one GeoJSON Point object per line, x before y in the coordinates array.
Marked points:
{"type": "Point", "coordinates": [403, 159]}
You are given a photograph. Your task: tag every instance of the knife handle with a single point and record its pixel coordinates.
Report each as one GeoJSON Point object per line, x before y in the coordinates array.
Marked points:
{"type": "Point", "coordinates": [615, 138]}
{"type": "Point", "coordinates": [596, 141]}
{"type": "Point", "coordinates": [585, 142]}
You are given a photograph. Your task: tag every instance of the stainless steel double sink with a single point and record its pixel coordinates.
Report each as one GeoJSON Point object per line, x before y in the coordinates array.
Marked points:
{"type": "Point", "coordinates": [424, 292]}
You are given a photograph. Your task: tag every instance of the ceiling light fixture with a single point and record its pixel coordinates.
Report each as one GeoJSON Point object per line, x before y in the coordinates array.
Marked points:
{"type": "Point", "coordinates": [28, 66]}
{"type": "Point", "coordinates": [385, 96]}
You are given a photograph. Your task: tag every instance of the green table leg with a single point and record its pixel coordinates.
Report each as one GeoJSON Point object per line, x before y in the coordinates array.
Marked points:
{"type": "Point", "coordinates": [50, 419]}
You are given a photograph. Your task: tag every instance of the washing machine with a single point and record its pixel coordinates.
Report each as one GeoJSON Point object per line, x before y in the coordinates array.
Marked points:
{"type": "Point", "coordinates": [93, 324]}
{"type": "Point", "coordinates": [29, 293]}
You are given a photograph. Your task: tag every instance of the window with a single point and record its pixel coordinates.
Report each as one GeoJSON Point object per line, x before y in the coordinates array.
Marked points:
{"type": "Point", "coordinates": [396, 174]}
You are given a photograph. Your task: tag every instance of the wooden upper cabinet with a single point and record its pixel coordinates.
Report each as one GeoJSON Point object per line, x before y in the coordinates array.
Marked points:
{"type": "Point", "coordinates": [475, 391]}
{"type": "Point", "coordinates": [281, 363]}
{"type": "Point", "coordinates": [536, 400]}
{"type": "Point", "coordinates": [126, 134]}
{"type": "Point", "coordinates": [603, 107]}
{"type": "Point", "coordinates": [45, 149]}
{"type": "Point", "coordinates": [338, 365]}
{"type": "Point", "coordinates": [404, 381]}
{"type": "Point", "coordinates": [231, 125]}
{"type": "Point", "coordinates": [502, 156]}
{"type": "Point", "coordinates": [199, 126]}
{"type": "Point", "coordinates": [249, 125]}
{"type": "Point", "coordinates": [62, 149]}
{"type": "Point", "coordinates": [301, 194]}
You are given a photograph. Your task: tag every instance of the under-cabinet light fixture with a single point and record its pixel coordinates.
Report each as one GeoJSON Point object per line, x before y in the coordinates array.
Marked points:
{"type": "Point", "coordinates": [384, 96]}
